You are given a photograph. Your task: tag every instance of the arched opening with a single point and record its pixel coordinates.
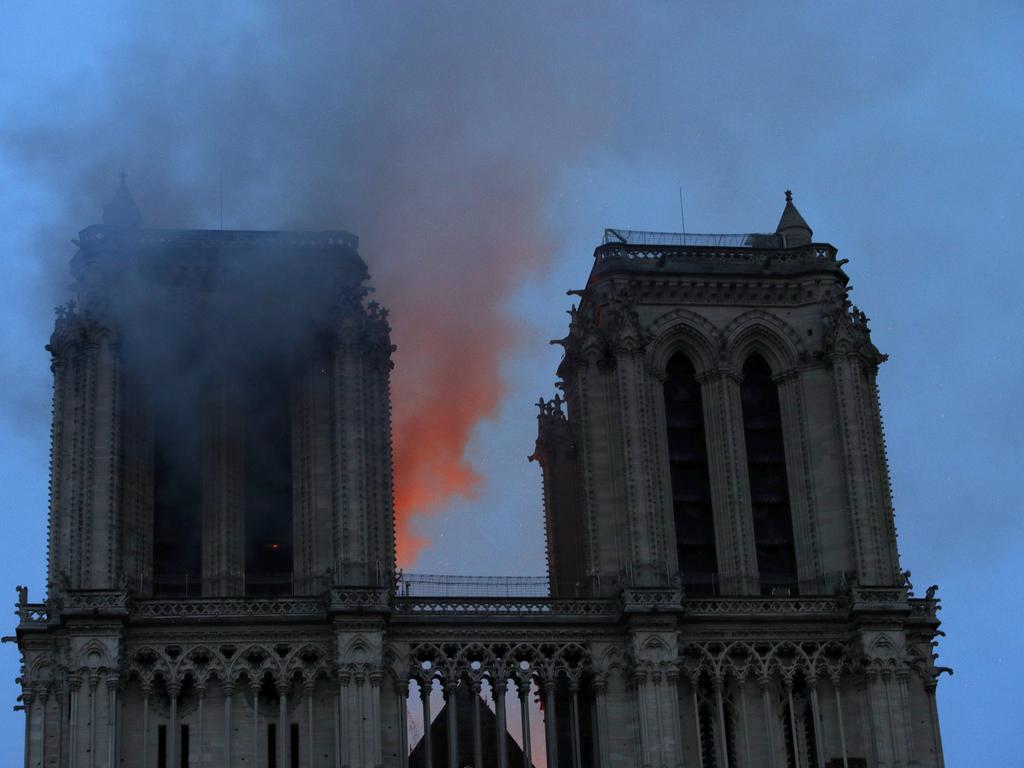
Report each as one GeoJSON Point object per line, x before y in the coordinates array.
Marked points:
{"type": "Point", "coordinates": [769, 487]}
{"type": "Point", "coordinates": [177, 471]}
{"type": "Point", "coordinates": [267, 476]}
{"type": "Point", "coordinates": [691, 484]}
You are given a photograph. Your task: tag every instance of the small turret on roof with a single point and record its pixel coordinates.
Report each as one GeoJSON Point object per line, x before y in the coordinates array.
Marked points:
{"type": "Point", "coordinates": [121, 211]}
{"type": "Point", "coordinates": [792, 225]}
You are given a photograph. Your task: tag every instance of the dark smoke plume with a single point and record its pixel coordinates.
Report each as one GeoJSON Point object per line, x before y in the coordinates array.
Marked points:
{"type": "Point", "coordinates": [434, 132]}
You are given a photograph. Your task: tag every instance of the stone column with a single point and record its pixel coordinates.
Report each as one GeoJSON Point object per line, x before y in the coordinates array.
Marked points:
{"type": "Point", "coordinates": [112, 721]}
{"type": "Point", "coordinates": [173, 689]}
{"type": "Point", "coordinates": [450, 688]}
{"type": "Point", "coordinates": [723, 752]}
{"type": "Point", "coordinates": [337, 729]}
{"type": "Point", "coordinates": [766, 703]}
{"type": "Point", "coordinates": [227, 692]}
{"type": "Point", "coordinates": [867, 481]}
{"type": "Point", "coordinates": [61, 696]}
{"type": "Point", "coordinates": [500, 690]}
{"type": "Point", "coordinates": [308, 691]}
{"type": "Point", "coordinates": [361, 459]}
{"type": "Point", "coordinates": [376, 677]}
{"type": "Point", "coordinates": [894, 739]}
{"type": "Point", "coordinates": [254, 687]}
{"type": "Point", "coordinates": [647, 736]}
{"type": "Point", "coordinates": [200, 741]}
{"type": "Point", "coordinates": [283, 726]}
{"type": "Point", "coordinates": [94, 681]}
{"type": "Point", "coordinates": [744, 720]}
{"type": "Point", "coordinates": [346, 728]}
{"type": "Point", "coordinates": [819, 732]}
{"type": "Point", "coordinates": [85, 512]}
{"type": "Point", "coordinates": [524, 708]}
{"type": "Point", "coordinates": [792, 719]}
{"type": "Point", "coordinates": [428, 745]}
{"type": "Point", "coordinates": [28, 697]}
{"type": "Point", "coordinates": [574, 713]}
{"type": "Point", "coordinates": [550, 727]}
{"type": "Point", "coordinates": [936, 734]}
{"type": "Point", "coordinates": [903, 693]}
{"type": "Point", "coordinates": [44, 696]}
{"type": "Point", "coordinates": [869, 711]}
{"type": "Point", "coordinates": [146, 690]}
{"type": "Point", "coordinates": [478, 748]}
{"type": "Point", "coordinates": [836, 684]}
{"type": "Point", "coordinates": [360, 728]}
{"type": "Point", "coordinates": [730, 487]}
{"type": "Point", "coordinates": [99, 523]}
{"type": "Point", "coordinates": [641, 466]}
{"type": "Point", "coordinates": [402, 693]}
{"type": "Point", "coordinates": [694, 681]}
{"type": "Point", "coordinates": [600, 688]}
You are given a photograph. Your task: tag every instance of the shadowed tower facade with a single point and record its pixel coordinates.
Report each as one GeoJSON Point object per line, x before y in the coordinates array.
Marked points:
{"type": "Point", "coordinates": [723, 583]}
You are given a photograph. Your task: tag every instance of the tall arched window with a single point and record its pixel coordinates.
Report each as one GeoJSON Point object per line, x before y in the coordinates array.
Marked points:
{"type": "Point", "coordinates": [769, 488]}
{"type": "Point", "coordinates": [691, 486]}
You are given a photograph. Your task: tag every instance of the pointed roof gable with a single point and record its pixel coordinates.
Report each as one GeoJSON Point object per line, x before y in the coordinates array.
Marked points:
{"type": "Point", "coordinates": [464, 714]}
{"type": "Point", "coordinates": [792, 225]}
{"type": "Point", "coordinates": [121, 211]}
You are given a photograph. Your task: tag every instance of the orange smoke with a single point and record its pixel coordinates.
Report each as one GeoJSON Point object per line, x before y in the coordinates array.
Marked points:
{"type": "Point", "coordinates": [452, 335]}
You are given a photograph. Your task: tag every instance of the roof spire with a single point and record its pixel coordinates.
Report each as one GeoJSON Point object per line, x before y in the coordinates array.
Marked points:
{"type": "Point", "coordinates": [121, 211]}
{"type": "Point", "coordinates": [792, 226]}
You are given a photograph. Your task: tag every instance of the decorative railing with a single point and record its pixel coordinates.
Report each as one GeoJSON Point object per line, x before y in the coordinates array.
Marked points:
{"type": "Point", "coordinates": [755, 254]}
{"type": "Point", "coordinates": [689, 239]}
{"type": "Point", "coordinates": [479, 606]}
{"type": "Point", "coordinates": [880, 599]}
{"type": "Point", "coordinates": [227, 608]}
{"type": "Point", "coordinates": [33, 613]}
{"type": "Point", "coordinates": [407, 604]}
{"type": "Point", "coordinates": [434, 585]}
{"type": "Point", "coordinates": [765, 606]}
{"type": "Point", "coordinates": [95, 601]}
{"type": "Point", "coordinates": [924, 608]}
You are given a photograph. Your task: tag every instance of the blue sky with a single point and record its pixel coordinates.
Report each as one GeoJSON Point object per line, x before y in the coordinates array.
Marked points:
{"type": "Point", "coordinates": [532, 128]}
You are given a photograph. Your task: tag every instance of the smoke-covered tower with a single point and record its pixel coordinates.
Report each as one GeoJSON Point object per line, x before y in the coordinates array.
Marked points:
{"type": "Point", "coordinates": [221, 431]}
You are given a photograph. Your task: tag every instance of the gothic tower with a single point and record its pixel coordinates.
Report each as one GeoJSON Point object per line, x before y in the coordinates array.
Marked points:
{"type": "Point", "coordinates": [221, 431]}
{"type": "Point", "coordinates": [720, 437]}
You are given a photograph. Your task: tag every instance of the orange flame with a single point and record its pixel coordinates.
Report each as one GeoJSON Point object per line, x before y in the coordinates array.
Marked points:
{"type": "Point", "coordinates": [452, 334]}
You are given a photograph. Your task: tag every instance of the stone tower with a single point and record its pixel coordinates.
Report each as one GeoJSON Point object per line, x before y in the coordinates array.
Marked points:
{"type": "Point", "coordinates": [725, 590]}
{"type": "Point", "coordinates": [221, 432]}
{"type": "Point", "coordinates": [718, 436]}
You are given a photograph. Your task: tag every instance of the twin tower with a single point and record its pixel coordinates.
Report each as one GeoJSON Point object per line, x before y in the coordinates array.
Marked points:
{"type": "Point", "coordinates": [725, 586]}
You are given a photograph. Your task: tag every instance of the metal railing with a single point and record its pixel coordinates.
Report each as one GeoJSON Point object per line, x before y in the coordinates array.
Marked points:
{"type": "Point", "coordinates": [639, 237]}
{"type": "Point", "coordinates": [434, 585]}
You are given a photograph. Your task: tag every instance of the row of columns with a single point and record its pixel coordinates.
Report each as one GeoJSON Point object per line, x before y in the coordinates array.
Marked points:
{"type": "Point", "coordinates": [69, 740]}
{"type": "Point", "coordinates": [883, 732]}
{"type": "Point", "coordinates": [499, 690]}
{"type": "Point", "coordinates": [887, 727]}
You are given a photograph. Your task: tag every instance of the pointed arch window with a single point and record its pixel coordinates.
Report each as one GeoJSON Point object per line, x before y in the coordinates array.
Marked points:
{"type": "Point", "coordinates": [691, 484]}
{"type": "Point", "coordinates": [769, 486]}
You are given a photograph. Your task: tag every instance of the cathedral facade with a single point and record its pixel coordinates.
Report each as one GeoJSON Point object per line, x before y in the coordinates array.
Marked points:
{"type": "Point", "coordinates": [724, 583]}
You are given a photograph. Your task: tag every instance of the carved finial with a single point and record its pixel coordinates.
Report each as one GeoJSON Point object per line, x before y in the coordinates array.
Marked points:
{"type": "Point", "coordinates": [792, 226]}
{"type": "Point", "coordinates": [121, 211]}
